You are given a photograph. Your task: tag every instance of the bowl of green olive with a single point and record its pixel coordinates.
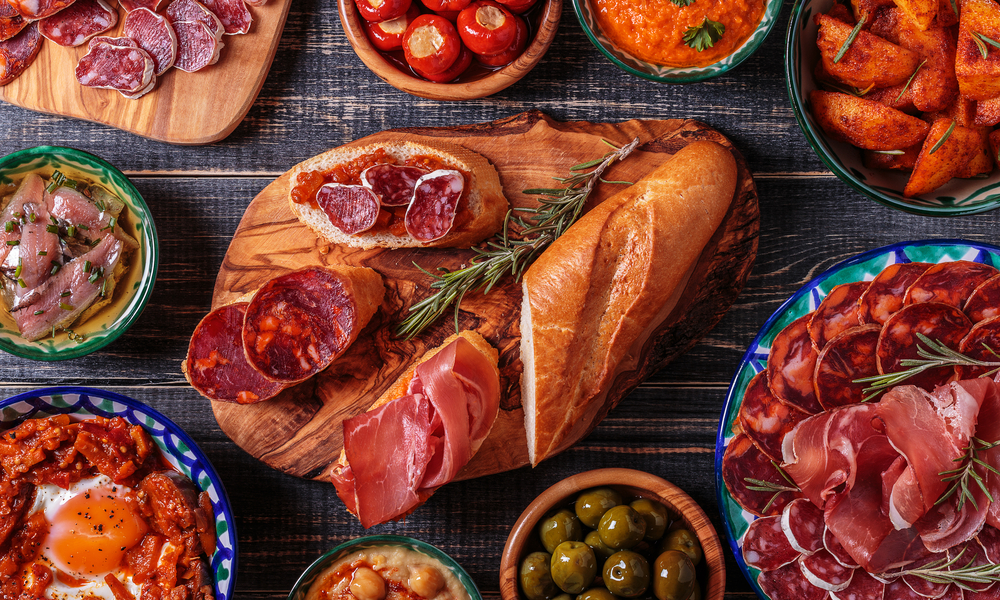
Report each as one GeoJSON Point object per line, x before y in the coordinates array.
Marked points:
{"type": "Point", "coordinates": [613, 534]}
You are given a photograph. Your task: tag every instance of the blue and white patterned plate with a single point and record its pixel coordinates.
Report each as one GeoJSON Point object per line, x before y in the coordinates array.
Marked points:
{"type": "Point", "coordinates": [178, 449]}
{"type": "Point", "coordinates": [863, 267]}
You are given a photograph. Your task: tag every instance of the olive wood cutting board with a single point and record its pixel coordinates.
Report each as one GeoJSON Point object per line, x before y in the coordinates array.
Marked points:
{"type": "Point", "coordinates": [299, 432]}
{"type": "Point", "coordinates": [184, 108]}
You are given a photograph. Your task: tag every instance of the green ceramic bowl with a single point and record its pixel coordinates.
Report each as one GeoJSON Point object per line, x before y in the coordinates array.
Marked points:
{"type": "Point", "coordinates": [586, 14]}
{"type": "Point", "coordinates": [132, 291]}
{"type": "Point", "coordinates": [957, 197]}
{"type": "Point", "coordinates": [301, 587]}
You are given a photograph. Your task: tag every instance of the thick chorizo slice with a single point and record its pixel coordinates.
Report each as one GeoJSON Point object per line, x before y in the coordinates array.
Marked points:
{"type": "Point", "coordinates": [837, 313]}
{"type": "Point", "coordinates": [981, 343]}
{"type": "Point", "coordinates": [765, 545]}
{"type": "Point", "coordinates": [743, 462]}
{"type": "Point", "coordinates": [984, 303]}
{"type": "Point", "coordinates": [898, 341]}
{"type": "Point", "coordinates": [18, 52]}
{"type": "Point", "coordinates": [78, 23]}
{"type": "Point", "coordinates": [435, 203]}
{"type": "Point", "coordinates": [393, 184]}
{"type": "Point", "coordinates": [216, 365]}
{"type": "Point", "coordinates": [11, 21]}
{"type": "Point", "coordinates": [764, 419]}
{"type": "Point", "coordinates": [950, 283]}
{"type": "Point", "coordinates": [352, 209]}
{"type": "Point", "coordinates": [299, 323]}
{"type": "Point", "coordinates": [791, 365]}
{"type": "Point", "coordinates": [34, 10]}
{"type": "Point", "coordinates": [846, 358]}
{"type": "Point", "coordinates": [885, 293]}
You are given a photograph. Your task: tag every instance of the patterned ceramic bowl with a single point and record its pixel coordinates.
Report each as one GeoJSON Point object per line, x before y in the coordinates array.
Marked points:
{"type": "Point", "coordinates": [863, 267]}
{"type": "Point", "coordinates": [178, 449]}
{"type": "Point", "coordinates": [301, 588]}
{"type": "Point", "coordinates": [131, 293]}
{"type": "Point", "coordinates": [586, 13]}
{"type": "Point", "coordinates": [957, 197]}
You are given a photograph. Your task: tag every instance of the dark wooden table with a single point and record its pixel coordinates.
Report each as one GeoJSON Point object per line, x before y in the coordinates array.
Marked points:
{"type": "Point", "coordinates": [319, 95]}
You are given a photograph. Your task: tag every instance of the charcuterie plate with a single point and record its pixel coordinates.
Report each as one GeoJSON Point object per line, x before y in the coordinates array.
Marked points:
{"type": "Point", "coordinates": [184, 108]}
{"type": "Point", "coordinates": [299, 432]}
{"type": "Point", "coordinates": [863, 267]}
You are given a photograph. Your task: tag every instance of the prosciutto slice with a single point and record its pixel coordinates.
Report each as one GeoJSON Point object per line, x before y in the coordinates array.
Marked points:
{"type": "Point", "coordinates": [400, 452]}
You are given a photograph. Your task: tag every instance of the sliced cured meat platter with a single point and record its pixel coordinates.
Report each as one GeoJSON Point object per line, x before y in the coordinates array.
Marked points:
{"type": "Point", "coordinates": [183, 108]}
{"type": "Point", "coordinates": [299, 432]}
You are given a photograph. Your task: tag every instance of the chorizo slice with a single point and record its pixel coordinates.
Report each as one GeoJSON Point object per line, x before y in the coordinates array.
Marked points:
{"type": "Point", "coordinates": [949, 283]}
{"type": "Point", "coordinates": [846, 358]}
{"type": "Point", "coordinates": [898, 341]}
{"type": "Point", "coordinates": [432, 211]}
{"type": "Point", "coordinates": [885, 293]}
{"type": "Point", "coordinates": [393, 184]}
{"type": "Point", "coordinates": [216, 365]}
{"type": "Point", "coordinates": [34, 10]}
{"type": "Point", "coordinates": [837, 313]}
{"type": "Point", "coordinates": [742, 465]}
{"type": "Point", "coordinates": [981, 343]}
{"type": "Point", "coordinates": [299, 323]}
{"type": "Point", "coordinates": [352, 209]}
{"type": "Point", "coordinates": [791, 365]}
{"type": "Point", "coordinates": [765, 545]}
{"type": "Point", "coordinates": [18, 52]}
{"type": "Point", "coordinates": [11, 21]}
{"type": "Point", "coordinates": [78, 23]}
{"type": "Point", "coordinates": [764, 419]}
{"type": "Point", "coordinates": [984, 303]}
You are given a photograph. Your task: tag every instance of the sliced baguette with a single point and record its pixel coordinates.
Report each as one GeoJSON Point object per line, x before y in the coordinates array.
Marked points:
{"type": "Point", "coordinates": [483, 196]}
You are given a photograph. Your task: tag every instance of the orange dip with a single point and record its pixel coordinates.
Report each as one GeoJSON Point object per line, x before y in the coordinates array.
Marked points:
{"type": "Point", "coordinates": [653, 30]}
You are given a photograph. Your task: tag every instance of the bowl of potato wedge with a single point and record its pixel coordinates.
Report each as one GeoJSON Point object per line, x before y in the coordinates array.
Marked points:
{"type": "Point", "coordinates": [900, 103]}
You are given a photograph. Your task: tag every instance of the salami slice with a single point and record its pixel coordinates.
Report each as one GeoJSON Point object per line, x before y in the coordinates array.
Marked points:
{"type": "Point", "coordinates": [352, 208]}
{"type": "Point", "coordinates": [923, 587]}
{"type": "Point", "coordinates": [155, 35]}
{"type": "Point", "coordinates": [128, 70]}
{"type": "Point", "coordinates": [118, 42]}
{"type": "Point", "coordinates": [791, 366]}
{"type": "Point", "coordinates": [235, 17]}
{"type": "Point", "coordinates": [216, 365]}
{"type": "Point", "coordinates": [17, 53]}
{"type": "Point", "coordinates": [898, 341]}
{"type": "Point", "coordinates": [885, 293]}
{"type": "Point", "coordinates": [765, 546]}
{"type": "Point", "coordinates": [743, 461]}
{"type": "Point", "coordinates": [834, 547]}
{"type": "Point", "coordinates": [989, 539]}
{"type": "Point", "coordinates": [197, 46]}
{"type": "Point", "coordinates": [78, 23]}
{"type": "Point", "coordinates": [435, 202]}
{"type": "Point", "coordinates": [130, 5]}
{"type": "Point", "coordinates": [862, 587]}
{"type": "Point", "coordinates": [950, 283]}
{"type": "Point", "coordinates": [898, 590]}
{"type": "Point", "coordinates": [984, 303]}
{"type": "Point", "coordinates": [393, 184]}
{"type": "Point", "coordinates": [11, 21]}
{"type": "Point", "coordinates": [846, 358]}
{"type": "Point", "coordinates": [788, 583]}
{"type": "Point", "coordinates": [823, 571]}
{"type": "Point", "coordinates": [765, 420]}
{"type": "Point", "coordinates": [968, 554]}
{"type": "Point", "coordinates": [802, 522]}
{"type": "Point", "coordinates": [837, 313]}
{"type": "Point", "coordinates": [982, 338]}
{"type": "Point", "coordinates": [34, 10]}
{"type": "Point", "coordinates": [194, 12]}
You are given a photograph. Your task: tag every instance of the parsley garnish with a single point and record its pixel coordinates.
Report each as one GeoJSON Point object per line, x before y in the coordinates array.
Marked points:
{"type": "Point", "coordinates": [704, 35]}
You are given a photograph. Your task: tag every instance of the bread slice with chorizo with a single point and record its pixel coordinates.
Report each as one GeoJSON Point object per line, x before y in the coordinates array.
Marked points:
{"type": "Point", "coordinates": [350, 196]}
{"type": "Point", "coordinates": [600, 290]}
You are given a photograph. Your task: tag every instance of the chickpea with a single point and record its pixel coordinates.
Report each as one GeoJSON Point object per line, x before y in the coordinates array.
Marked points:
{"type": "Point", "coordinates": [425, 581]}
{"type": "Point", "coordinates": [366, 584]}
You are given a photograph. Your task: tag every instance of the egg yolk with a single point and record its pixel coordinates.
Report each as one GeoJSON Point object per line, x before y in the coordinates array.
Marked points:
{"type": "Point", "coordinates": [91, 532]}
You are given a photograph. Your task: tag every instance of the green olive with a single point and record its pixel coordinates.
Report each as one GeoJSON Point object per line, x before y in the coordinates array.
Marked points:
{"type": "Point", "coordinates": [563, 596]}
{"type": "Point", "coordinates": [626, 574]}
{"type": "Point", "coordinates": [656, 515]}
{"type": "Point", "coordinates": [696, 592]}
{"type": "Point", "coordinates": [601, 550]}
{"type": "Point", "coordinates": [685, 541]}
{"type": "Point", "coordinates": [561, 526]}
{"type": "Point", "coordinates": [592, 504]}
{"type": "Point", "coordinates": [673, 576]}
{"type": "Point", "coordinates": [622, 527]}
{"type": "Point", "coordinates": [573, 566]}
{"type": "Point", "coordinates": [536, 579]}
{"type": "Point", "coordinates": [596, 593]}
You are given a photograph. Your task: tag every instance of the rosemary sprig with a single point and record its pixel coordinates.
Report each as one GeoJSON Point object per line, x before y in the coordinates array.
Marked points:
{"type": "Point", "coordinates": [910, 80]}
{"type": "Point", "coordinates": [759, 485]}
{"type": "Point", "coordinates": [954, 7]}
{"type": "Point", "coordinates": [944, 138]}
{"type": "Point", "coordinates": [559, 209]}
{"type": "Point", "coordinates": [850, 39]}
{"type": "Point", "coordinates": [981, 41]}
{"type": "Point", "coordinates": [933, 354]}
{"type": "Point", "coordinates": [959, 478]}
{"type": "Point", "coordinates": [940, 571]}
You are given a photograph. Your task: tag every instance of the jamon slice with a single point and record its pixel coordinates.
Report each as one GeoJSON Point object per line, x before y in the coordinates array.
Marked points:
{"type": "Point", "coordinates": [128, 70]}
{"type": "Point", "coordinates": [233, 13]}
{"type": "Point", "coordinates": [130, 5]}
{"type": "Point", "coordinates": [197, 46]}
{"type": "Point", "coordinates": [11, 21]}
{"type": "Point", "coordinates": [38, 9]}
{"type": "Point", "coordinates": [155, 35]}
{"type": "Point", "coordinates": [78, 23]}
{"type": "Point", "coordinates": [17, 53]}
{"type": "Point", "coordinates": [194, 12]}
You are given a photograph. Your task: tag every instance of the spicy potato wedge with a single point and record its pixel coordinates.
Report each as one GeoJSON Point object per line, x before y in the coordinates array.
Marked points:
{"type": "Point", "coordinates": [935, 85]}
{"type": "Point", "coordinates": [946, 151]}
{"type": "Point", "coordinates": [899, 96]}
{"type": "Point", "coordinates": [920, 12]}
{"type": "Point", "coordinates": [988, 112]}
{"type": "Point", "coordinates": [977, 64]}
{"type": "Point", "coordinates": [864, 123]}
{"type": "Point", "coordinates": [995, 145]}
{"type": "Point", "coordinates": [874, 159]}
{"type": "Point", "coordinates": [869, 60]}
{"type": "Point", "coordinates": [981, 162]}
{"type": "Point", "coordinates": [962, 110]}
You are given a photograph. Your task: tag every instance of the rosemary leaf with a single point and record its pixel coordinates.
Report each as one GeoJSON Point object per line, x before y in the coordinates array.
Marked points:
{"type": "Point", "coordinates": [909, 81]}
{"type": "Point", "coordinates": [944, 138]}
{"type": "Point", "coordinates": [983, 50]}
{"type": "Point", "coordinates": [850, 39]}
{"type": "Point", "coordinates": [985, 38]}
{"type": "Point", "coordinates": [954, 7]}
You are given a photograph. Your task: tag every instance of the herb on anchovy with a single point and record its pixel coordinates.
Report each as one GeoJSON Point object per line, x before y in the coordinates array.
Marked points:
{"type": "Point", "coordinates": [13, 242]}
{"type": "Point", "coordinates": [959, 478]}
{"type": "Point", "coordinates": [65, 306]}
{"type": "Point", "coordinates": [981, 41]}
{"type": "Point", "coordinates": [941, 571]}
{"type": "Point", "coordinates": [559, 209]}
{"type": "Point", "coordinates": [759, 485]}
{"type": "Point", "coordinates": [933, 354]}
{"type": "Point", "coordinates": [57, 180]}
{"type": "Point", "coordinates": [944, 138]}
{"type": "Point", "coordinates": [705, 35]}
{"type": "Point", "coordinates": [850, 39]}
{"type": "Point", "coordinates": [910, 80]}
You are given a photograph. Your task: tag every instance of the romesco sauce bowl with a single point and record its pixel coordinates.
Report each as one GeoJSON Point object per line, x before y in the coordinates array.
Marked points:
{"type": "Point", "coordinates": [648, 55]}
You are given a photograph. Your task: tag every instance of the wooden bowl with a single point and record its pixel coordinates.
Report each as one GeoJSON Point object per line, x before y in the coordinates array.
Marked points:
{"type": "Point", "coordinates": [523, 538]}
{"type": "Point", "coordinates": [545, 31]}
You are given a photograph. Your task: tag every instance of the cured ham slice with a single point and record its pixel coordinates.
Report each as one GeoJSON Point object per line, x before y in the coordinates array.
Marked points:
{"type": "Point", "coordinates": [130, 5]}
{"type": "Point", "coordinates": [235, 17]}
{"type": "Point", "coordinates": [11, 21]}
{"type": "Point", "coordinates": [898, 341]}
{"type": "Point", "coordinates": [765, 420]}
{"type": "Point", "coordinates": [846, 358]}
{"type": "Point", "coordinates": [765, 545]}
{"type": "Point", "coordinates": [154, 34]}
{"type": "Point", "coordinates": [197, 46]}
{"type": "Point", "coordinates": [950, 283]}
{"type": "Point", "coordinates": [194, 12]}
{"type": "Point", "coordinates": [435, 202]}
{"type": "Point", "coordinates": [18, 52]}
{"type": "Point", "coordinates": [743, 461]}
{"type": "Point", "coordinates": [984, 303]}
{"type": "Point", "coordinates": [884, 295]}
{"type": "Point", "coordinates": [34, 10]}
{"type": "Point", "coordinates": [837, 313]}
{"type": "Point", "coordinates": [791, 365]}
{"type": "Point", "coordinates": [128, 70]}
{"type": "Point", "coordinates": [78, 23]}
{"type": "Point", "coordinates": [834, 547]}
{"type": "Point", "coordinates": [393, 184]}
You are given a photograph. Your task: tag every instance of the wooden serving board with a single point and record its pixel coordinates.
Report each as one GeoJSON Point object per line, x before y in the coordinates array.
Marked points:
{"type": "Point", "coordinates": [183, 108]}
{"type": "Point", "coordinates": [300, 432]}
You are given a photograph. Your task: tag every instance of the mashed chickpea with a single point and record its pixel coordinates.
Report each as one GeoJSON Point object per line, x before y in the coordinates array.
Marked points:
{"type": "Point", "coordinates": [387, 573]}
